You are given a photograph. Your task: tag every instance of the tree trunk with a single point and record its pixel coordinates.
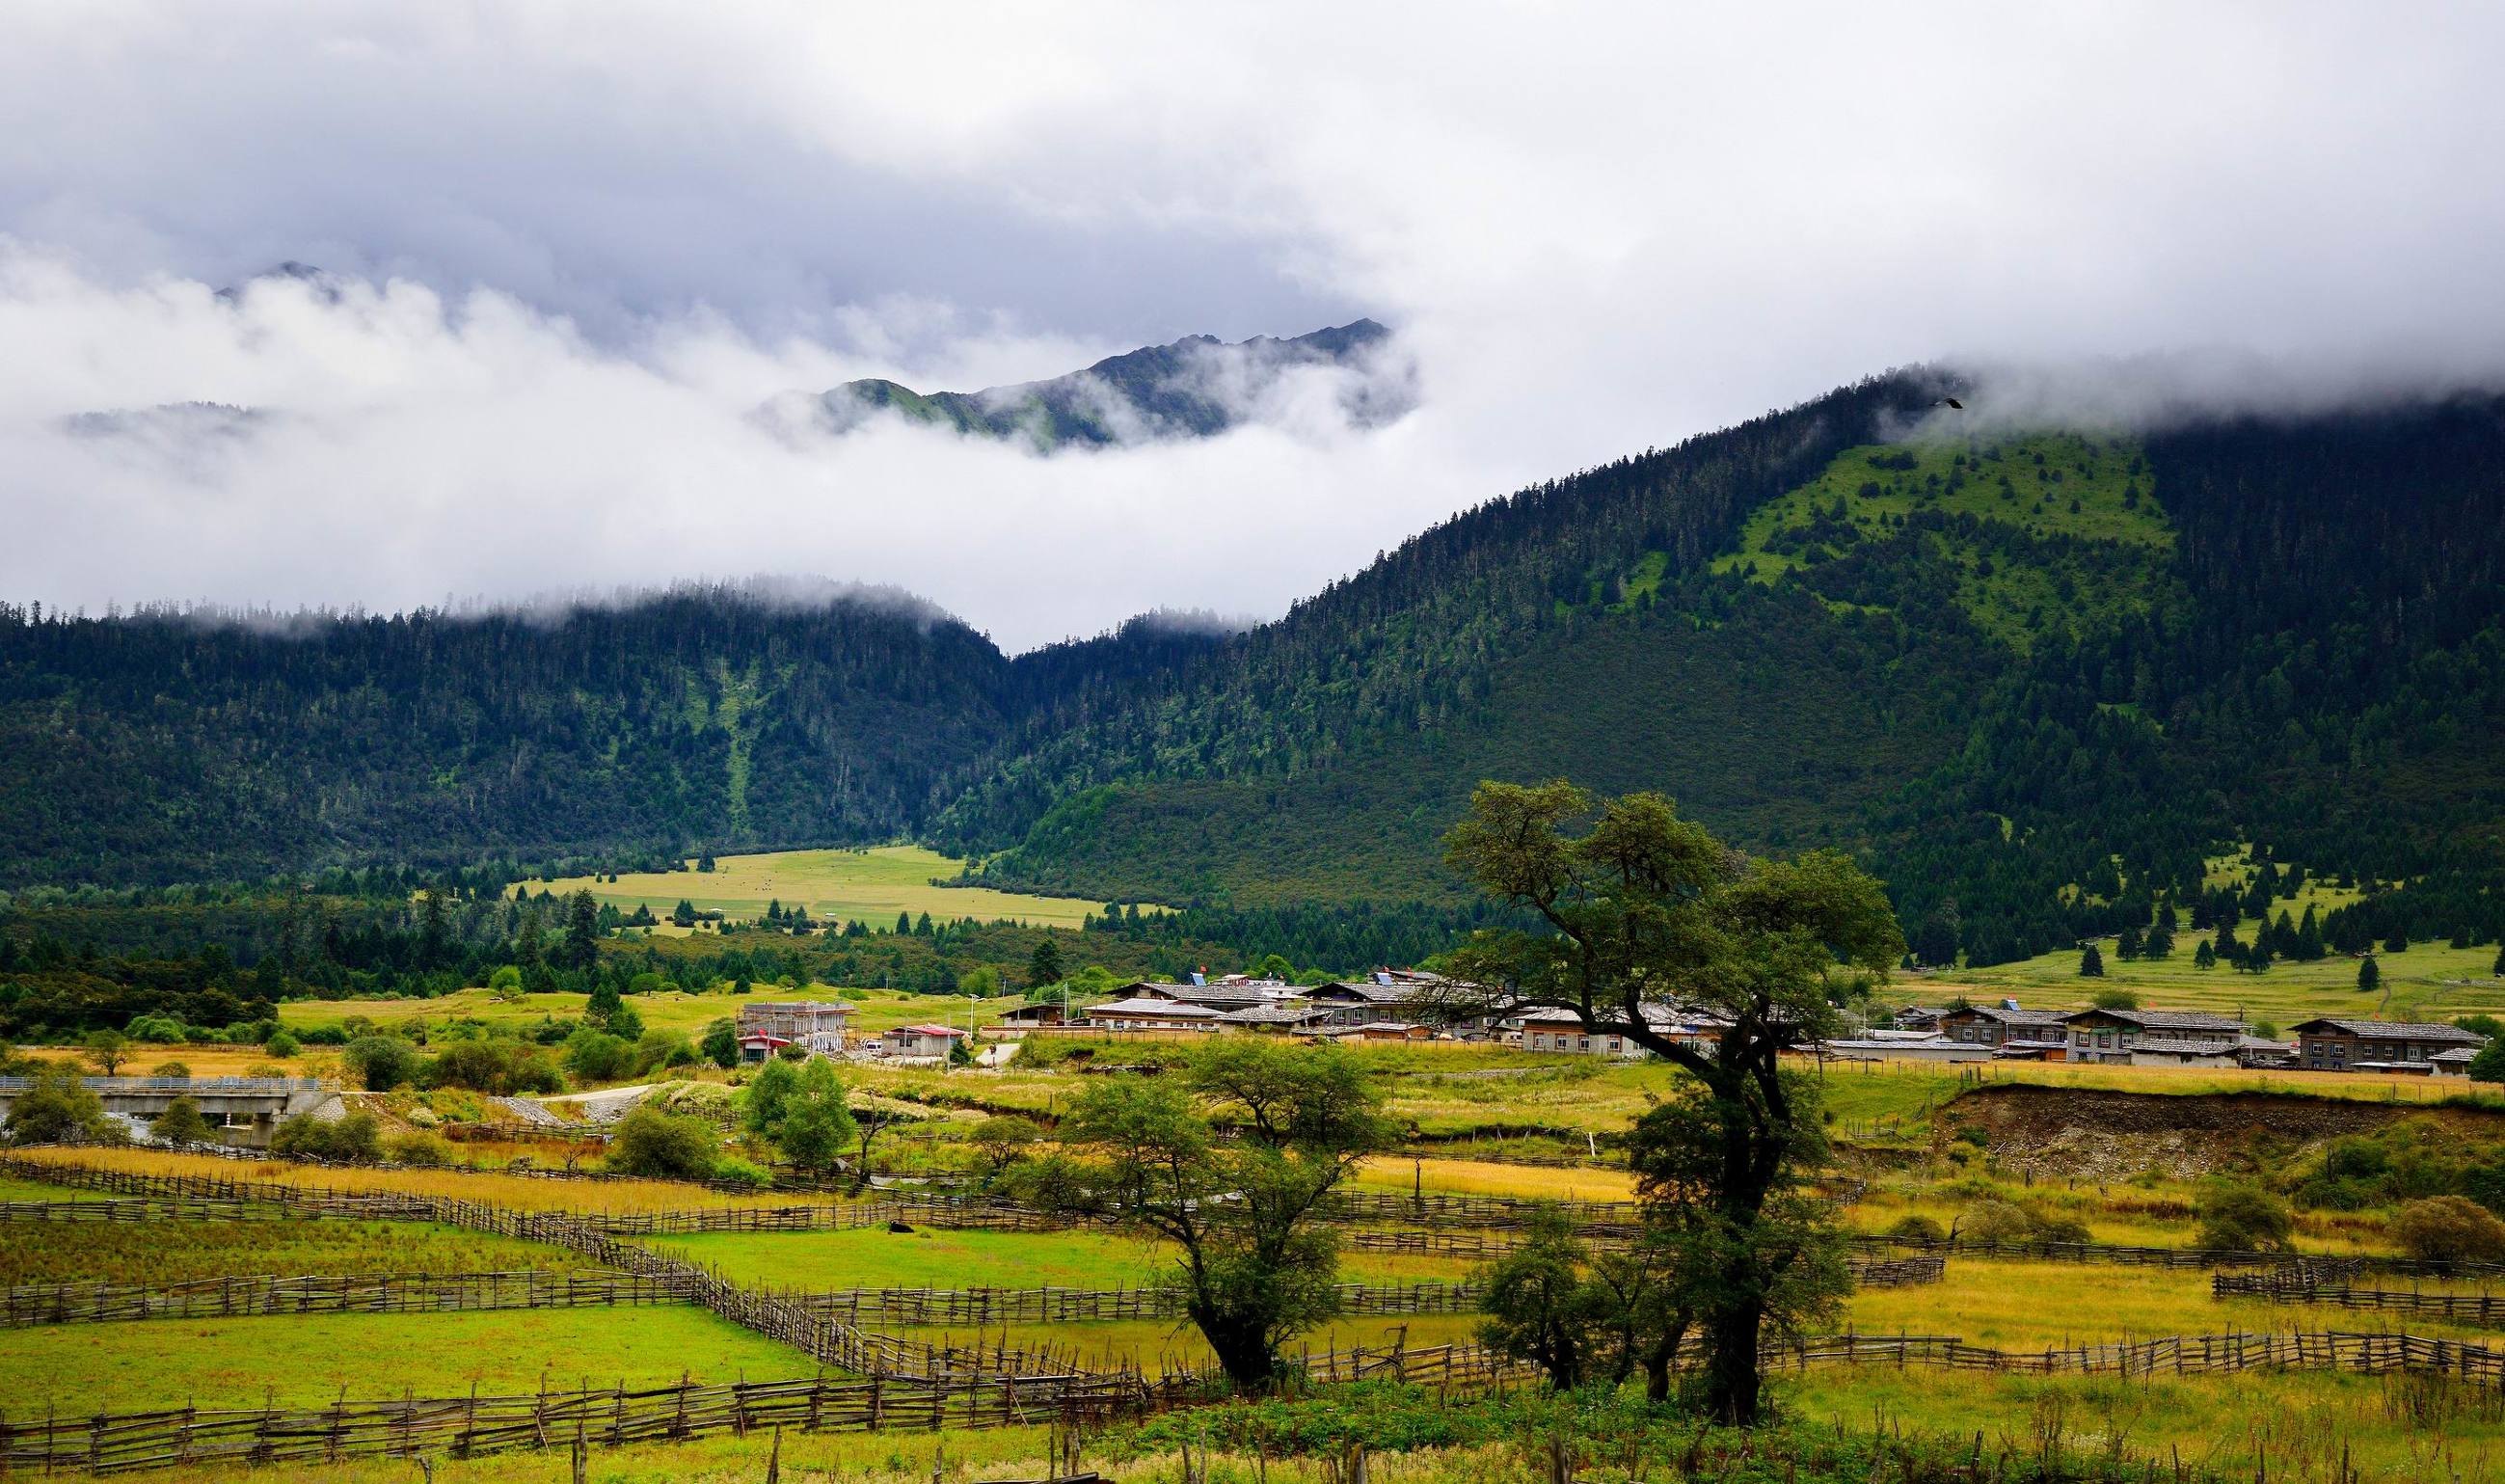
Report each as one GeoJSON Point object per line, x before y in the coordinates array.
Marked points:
{"type": "Point", "coordinates": [1731, 1376]}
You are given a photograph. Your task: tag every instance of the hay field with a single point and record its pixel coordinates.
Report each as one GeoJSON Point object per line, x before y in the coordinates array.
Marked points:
{"type": "Point", "coordinates": [308, 1360]}
{"type": "Point", "coordinates": [870, 885]}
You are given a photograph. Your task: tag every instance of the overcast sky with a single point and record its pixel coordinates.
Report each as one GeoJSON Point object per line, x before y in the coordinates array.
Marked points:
{"type": "Point", "coordinates": [577, 244]}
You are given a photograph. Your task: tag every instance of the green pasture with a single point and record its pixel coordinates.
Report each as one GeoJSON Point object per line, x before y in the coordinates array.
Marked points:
{"type": "Point", "coordinates": [870, 885]}
{"type": "Point", "coordinates": [308, 1359]}
{"type": "Point", "coordinates": [14, 1189]}
{"type": "Point", "coordinates": [182, 1250]}
{"type": "Point", "coordinates": [875, 1010]}
{"type": "Point", "coordinates": [2430, 982]}
{"type": "Point", "coordinates": [874, 1257]}
{"type": "Point", "coordinates": [1158, 1345]}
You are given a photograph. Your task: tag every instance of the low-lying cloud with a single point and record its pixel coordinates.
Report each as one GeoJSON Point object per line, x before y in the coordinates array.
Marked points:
{"type": "Point", "coordinates": [577, 246]}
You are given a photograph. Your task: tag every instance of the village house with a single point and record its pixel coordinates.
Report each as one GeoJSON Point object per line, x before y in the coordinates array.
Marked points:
{"type": "Point", "coordinates": [2332, 1043]}
{"type": "Point", "coordinates": [2007, 1028]}
{"type": "Point", "coordinates": [1903, 1046]}
{"type": "Point", "coordinates": [1143, 1013]}
{"type": "Point", "coordinates": [1281, 1018]}
{"type": "Point", "coordinates": [766, 1026]}
{"type": "Point", "coordinates": [1232, 993]}
{"type": "Point", "coordinates": [2111, 1036]}
{"type": "Point", "coordinates": [1030, 1015]}
{"type": "Point", "coordinates": [1552, 1029]}
{"type": "Point", "coordinates": [932, 1041]}
{"type": "Point", "coordinates": [1394, 1029]}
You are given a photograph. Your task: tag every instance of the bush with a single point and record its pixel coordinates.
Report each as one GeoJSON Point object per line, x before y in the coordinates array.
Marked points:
{"type": "Point", "coordinates": [323, 1036]}
{"type": "Point", "coordinates": [596, 1056]}
{"type": "Point", "coordinates": [170, 1068]}
{"type": "Point", "coordinates": [734, 1170]}
{"type": "Point", "coordinates": [431, 1150]}
{"type": "Point", "coordinates": [650, 1142]}
{"type": "Point", "coordinates": [660, 1049]}
{"type": "Point", "coordinates": [721, 1045]}
{"type": "Point", "coordinates": [1996, 1220]}
{"type": "Point", "coordinates": [181, 1123]}
{"type": "Point", "coordinates": [58, 1107]}
{"type": "Point", "coordinates": [358, 1137]}
{"type": "Point", "coordinates": [382, 1062]}
{"type": "Point", "coordinates": [499, 1067]}
{"type": "Point", "coordinates": [1919, 1227]}
{"type": "Point", "coordinates": [281, 1045]}
{"type": "Point", "coordinates": [2239, 1217]}
{"type": "Point", "coordinates": [2447, 1228]}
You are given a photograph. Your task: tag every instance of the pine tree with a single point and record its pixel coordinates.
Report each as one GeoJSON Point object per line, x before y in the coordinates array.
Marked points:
{"type": "Point", "coordinates": [581, 930]}
{"type": "Point", "coordinates": [2127, 944]}
{"type": "Point", "coordinates": [2398, 942]}
{"type": "Point", "coordinates": [2498, 968]}
{"type": "Point", "coordinates": [2204, 956]}
{"type": "Point", "coordinates": [2092, 963]}
{"type": "Point", "coordinates": [2160, 942]}
{"type": "Point", "coordinates": [904, 922]}
{"type": "Point", "coordinates": [2368, 976]}
{"type": "Point", "coordinates": [1043, 966]}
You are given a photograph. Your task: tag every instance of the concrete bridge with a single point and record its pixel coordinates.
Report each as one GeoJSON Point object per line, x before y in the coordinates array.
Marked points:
{"type": "Point", "coordinates": [249, 1109]}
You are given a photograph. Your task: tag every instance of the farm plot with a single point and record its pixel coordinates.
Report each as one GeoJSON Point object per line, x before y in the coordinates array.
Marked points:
{"type": "Point", "coordinates": [1154, 1347]}
{"type": "Point", "coordinates": [874, 1257]}
{"type": "Point", "coordinates": [308, 1359]}
{"type": "Point", "coordinates": [156, 1253]}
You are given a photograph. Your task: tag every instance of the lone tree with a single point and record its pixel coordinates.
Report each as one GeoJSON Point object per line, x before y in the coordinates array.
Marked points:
{"type": "Point", "coordinates": [1044, 966]}
{"type": "Point", "coordinates": [1647, 917]}
{"type": "Point", "coordinates": [2091, 962]}
{"type": "Point", "coordinates": [1257, 1264]}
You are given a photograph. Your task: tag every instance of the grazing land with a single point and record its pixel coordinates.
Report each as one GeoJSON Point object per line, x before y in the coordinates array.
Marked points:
{"type": "Point", "coordinates": [310, 1358]}
{"type": "Point", "coordinates": [929, 1257]}
{"type": "Point", "coordinates": [2430, 982]}
{"type": "Point", "coordinates": [163, 1251]}
{"type": "Point", "coordinates": [869, 886]}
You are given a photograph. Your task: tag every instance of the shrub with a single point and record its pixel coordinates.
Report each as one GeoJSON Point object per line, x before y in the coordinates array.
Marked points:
{"type": "Point", "coordinates": [505, 983]}
{"type": "Point", "coordinates": [500, 1067]}
{"type": "Point", "coordinates": [2060, 1228]}
{"type": "Point", "coordinates": [1996, 1220]}
{"type": "Point", "coordinates": [58, 1107]}
{"type": "Point", "coordinates": [721, 1045]}
{"type": "Point", "coordinates": [382, 1062]}
{"type": "Point", "coordinates": [2447, 1228]}
{"type": "Point", "coordinates": [734, 1170]}
{"type": "Point", "coordinates": [650, 1142]}
{"type": "Point", "coordinates": [281, 1045]}
{"type": "Point", "coordinates": [660, 1049]}
{"type": "Point", "coordinates": [323, 1036]}
{"type": "Point", "coordinates": [431, 1150]}
{"type": "Point", "coordinates": [170, 1068]}
{"type": "Point", "coordinates": [2239, 1217]}
{"type": "Point", "coordinates": [1919, 1227]}
{"type": "Point", "coordinates": [596, 1056]}
{"type": "Point", "coordinates": [357, 1137]}
{"type": "Point", "coordinates": [181, 1123]}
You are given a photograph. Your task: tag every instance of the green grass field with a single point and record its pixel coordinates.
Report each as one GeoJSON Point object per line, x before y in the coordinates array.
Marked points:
{"type": "Point", "coordinates": [838, 886]}
{"type": "Point", "coordinates": [2431, 982]}
{"type": "Point", "coordinates": [876, 1009]}
{"type": "Point", "coordinates": [1159, 1345]}
{"type": "Point", "coordinates": [181, 1251]}
{"type": "Point", "coordinates": [306, 1360]}
{"type": "Point", "coordinates": [874, 1257]}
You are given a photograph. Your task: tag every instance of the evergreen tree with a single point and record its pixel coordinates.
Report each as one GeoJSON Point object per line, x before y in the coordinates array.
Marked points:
{"type": "Point", "coordinates": [2497, 969]}
{"type": "Point", "coordinates": [2307, 945]}
{"type": "Point", "coordinates": [581, 930]}
{"type": "Point", "coordinates": [903, 922]}
{"type": "Point", "coordinates": [2091, 962]}
{"type": "Point", "coordinates": [1044, 966]}
{"type": "Point", "coordinates": [2160, 942]}
{"type": "Point", "coordinates": [2368, 976]}
{"type": "Point", "coordinates": [2127, 944]}
{"type": "Point", "coordinates": [2204, 956]}
{"type": "Point", "coordinates": [2398, 942]}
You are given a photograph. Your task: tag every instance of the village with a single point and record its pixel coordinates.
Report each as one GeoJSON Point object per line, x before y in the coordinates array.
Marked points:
{"type": "Point", "coordinates": [1413, 1004]}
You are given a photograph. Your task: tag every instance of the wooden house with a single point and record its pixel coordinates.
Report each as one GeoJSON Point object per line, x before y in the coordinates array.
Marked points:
{"type": "Point", "coordinates": [2112, 1035]}
{"type": "Point", "coordinates": [2335, 1043]}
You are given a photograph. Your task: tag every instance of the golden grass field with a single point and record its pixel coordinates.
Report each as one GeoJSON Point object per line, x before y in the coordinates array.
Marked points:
{"type": "Point", "coordinates": [869, 884]}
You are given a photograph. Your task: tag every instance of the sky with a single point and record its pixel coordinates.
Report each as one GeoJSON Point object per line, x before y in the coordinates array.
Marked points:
{"type": "Point", "coordinates": [570, 248]}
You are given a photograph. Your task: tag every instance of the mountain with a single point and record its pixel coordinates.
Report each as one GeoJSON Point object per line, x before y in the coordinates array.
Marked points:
{"type": "Point", "coordinates": [2034, 677]}
{"type": "Point", "coordinates": [1195, 387]}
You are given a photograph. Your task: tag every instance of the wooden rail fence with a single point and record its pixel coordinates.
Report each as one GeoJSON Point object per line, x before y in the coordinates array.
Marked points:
{"type": "Point", "coordinates": [926, 1307]}
{"type": "Point", "coordinates": [2301, 1287]}
{"type": "Point", "coordinates": [465, 1426]}
{"type": "Point", "coordinates": [73, 1303]}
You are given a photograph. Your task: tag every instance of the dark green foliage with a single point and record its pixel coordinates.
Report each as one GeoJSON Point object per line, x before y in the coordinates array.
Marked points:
{"type": "Point", "coordinates": [816, 1125]}
{"type": "Point", "coordinates": [2238, 1216]}
{"type": "Point", "coordinates": [58, 1107]}
{"type": "Point", "coordinates": [2091, 962]}
{"type": "Point", "coordinates": [666, 1145]}
{"type": "Point", "coordinates": [2370, 974]}
{"type": "Point", "coordinates": [596, 1056]}
{"type": "Point", "coordinates": [356, 1138]}
{"type": "Point", "coordinates": [381, 1063]}
{"type": "Point", "coordinates": [181, 1123]}
{"type": "Point", "coordinates": [721, 1043]}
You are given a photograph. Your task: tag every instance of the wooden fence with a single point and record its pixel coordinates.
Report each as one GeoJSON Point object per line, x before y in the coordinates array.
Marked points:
{"type": "Point", "coordinates": [1053, 1306]}
{"type": "Point", "coordinates": [71, 1303]}
{"type": "Point", "coordinates": [1896, 1272]}
{"type": "Point", "coordinates": [462, 1426]}
{"type": "Point", "coordinates": [2305, 1287]}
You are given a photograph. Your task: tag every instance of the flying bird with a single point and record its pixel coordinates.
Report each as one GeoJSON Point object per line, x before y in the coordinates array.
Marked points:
{"type": "Point", "coordinates": [1950, 402]}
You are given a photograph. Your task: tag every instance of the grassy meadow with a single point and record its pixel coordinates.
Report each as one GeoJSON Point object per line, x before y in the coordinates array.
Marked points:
{"type": "Point", "coordinates": [311, 1358]}
{"type": "Point", "coordinates": [874, 1257]}
{"type": "Point", "coordinates": [2430, 982]}
{"type": "Point", "coordinates": [151, 1253]}
{"type": "Point", "coordinates": [869, 884]}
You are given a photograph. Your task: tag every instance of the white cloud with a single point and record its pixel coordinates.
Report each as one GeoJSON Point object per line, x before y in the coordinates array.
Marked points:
{"type": "Point", "coordinates": [601, 233]}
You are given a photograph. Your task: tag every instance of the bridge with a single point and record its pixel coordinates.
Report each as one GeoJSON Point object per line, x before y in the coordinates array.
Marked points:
{"type": "Point", "coordinates": [249, 1108]}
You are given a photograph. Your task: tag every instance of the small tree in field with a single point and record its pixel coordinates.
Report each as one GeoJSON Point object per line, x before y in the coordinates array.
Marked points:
{"type": "Point", "coordinates": [1258, 1263]}
{"type": "Point", "coordinates": [817, 1124]}
{"type": "Point", "coordinates": [670, 1146]}
{"type": "Point", "coordinates": [106, 1051]}
{"type": "Point", "coordinates": [2238, 1216]}
{"type": "Point", "coordinates": [1644, 918]}
{"type": "Point", "coordinates": [59, 1106]}
{"type": "Point", "coordinates": [2370, 974]}
{"type": "Point", "coordinates": [2449, 1228]}
{"type": "Point", "coordinates": [181, 1123]}
{"type": "Point", "coordinates": [2091, 962]}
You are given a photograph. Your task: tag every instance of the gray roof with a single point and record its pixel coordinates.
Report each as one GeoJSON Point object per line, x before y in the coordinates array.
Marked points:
{"type": "Point", "coordinates": [2452, 1054]}
{"type": "Point", "coordinates": [2167, 1020]}
{"type": "Point", "coordinates": [1274, 1014]}
{"type": "Point", "coordinates": [2180, 1048]}
{"type": "Point", "coordinates": [2007, 1017]}
{"type": "Point", "coordinates": [2399, 1030]}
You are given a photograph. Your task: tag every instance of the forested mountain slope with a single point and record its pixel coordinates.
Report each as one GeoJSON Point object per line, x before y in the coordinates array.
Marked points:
{"type": "Point", "coordinates": [2032, 677]}
{"type": "Point", "coordinates": [165, 747]}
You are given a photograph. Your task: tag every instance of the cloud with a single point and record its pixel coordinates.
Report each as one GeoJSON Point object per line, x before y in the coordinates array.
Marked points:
{"type": "Point", "coordinates": [579, 243]}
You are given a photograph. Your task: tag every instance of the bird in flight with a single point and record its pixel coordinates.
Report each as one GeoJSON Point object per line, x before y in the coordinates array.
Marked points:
{"type": "Point", "coordinates": [1950, 402]}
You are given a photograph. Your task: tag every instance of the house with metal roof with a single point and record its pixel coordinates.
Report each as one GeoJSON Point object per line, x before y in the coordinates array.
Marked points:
{"type": "Point", "coordinates": [2112, 1034]}
{"type": "Point", "coordinates": [2338, 1043]}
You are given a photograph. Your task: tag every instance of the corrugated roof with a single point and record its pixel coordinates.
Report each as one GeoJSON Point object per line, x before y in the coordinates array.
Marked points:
{"type": "Point", "coordinates": [2400, 1030]}
{"type": "Point", "coordinates": [2167, 1020]}
{"type": "Point", "coordinates": [2180, 1048]}
{"type": "Point", "coordinates": [1172, 1009]}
